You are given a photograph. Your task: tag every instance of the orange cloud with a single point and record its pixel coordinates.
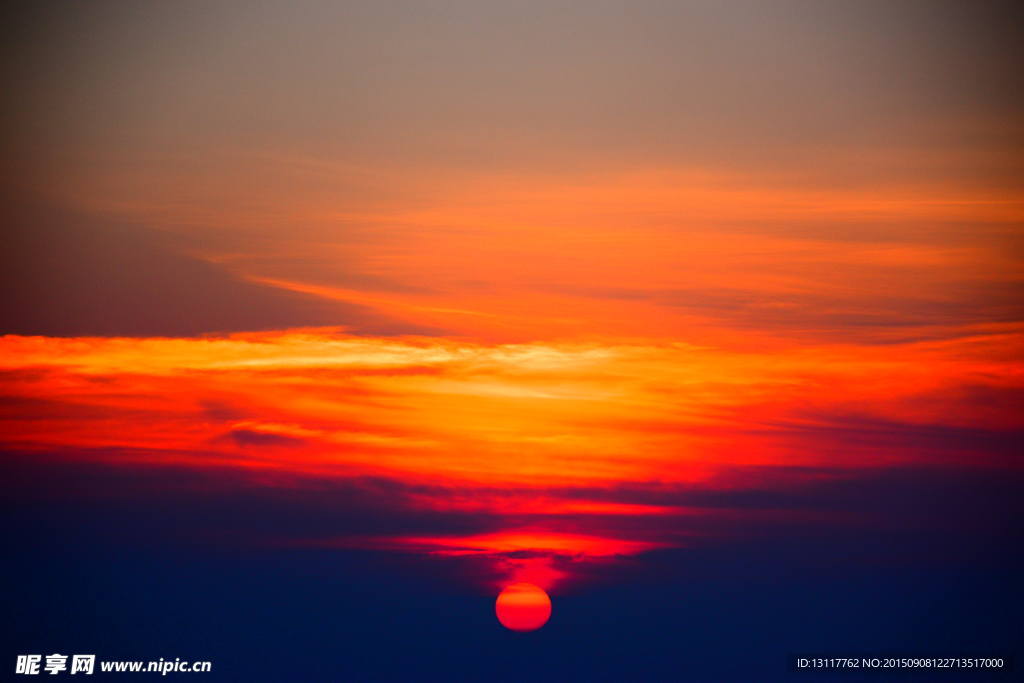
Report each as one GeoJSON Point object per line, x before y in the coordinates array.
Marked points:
{"type": "Point", "coordinates": [431, 409]}
{"type": "Point", "coordinates": [674, 252]}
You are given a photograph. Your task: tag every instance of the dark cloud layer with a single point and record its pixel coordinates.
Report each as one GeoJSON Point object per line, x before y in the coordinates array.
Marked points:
{"type": "Point", "coordinates": [742, 505]}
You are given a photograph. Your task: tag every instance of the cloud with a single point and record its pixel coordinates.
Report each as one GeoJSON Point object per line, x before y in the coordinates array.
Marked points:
{"type": "Point", "coordinates": [516, 455]}
{"type": "Point", "coordinates": [79, 276]}
{"type": "Point", "coordinates": [866, 316]}
{"type": "Point", "coordinates": [250, 437]}
{"type": "Point", "coordinates": [921, 514]}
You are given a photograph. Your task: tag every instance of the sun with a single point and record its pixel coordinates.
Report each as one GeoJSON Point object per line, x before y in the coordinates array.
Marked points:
{"type": "Point", "coordinates": [523, 607]}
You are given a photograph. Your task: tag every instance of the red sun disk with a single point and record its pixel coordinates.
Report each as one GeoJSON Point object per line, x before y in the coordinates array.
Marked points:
{"type": "Point", "coordinates": [523, 607]}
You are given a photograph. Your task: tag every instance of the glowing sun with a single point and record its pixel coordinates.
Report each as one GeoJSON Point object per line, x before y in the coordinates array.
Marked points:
{"type": "Point", "coordinates": [523, 607]}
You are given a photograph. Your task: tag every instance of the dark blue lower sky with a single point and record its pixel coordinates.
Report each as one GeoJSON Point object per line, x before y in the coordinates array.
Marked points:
{"type": "Point", "coordinates": [114, 579]}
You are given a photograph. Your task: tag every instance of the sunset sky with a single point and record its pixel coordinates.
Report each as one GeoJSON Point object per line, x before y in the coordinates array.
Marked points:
{"type": "Point", "coordinates": [625, 300]}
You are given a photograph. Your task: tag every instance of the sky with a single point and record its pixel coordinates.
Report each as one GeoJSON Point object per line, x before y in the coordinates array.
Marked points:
{"type": "Point", "coordinates": [325, 321]}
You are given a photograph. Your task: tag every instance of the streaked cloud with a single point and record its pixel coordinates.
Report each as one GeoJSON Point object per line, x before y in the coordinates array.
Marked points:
{"type": "Point", "coordinates": [591, 450]}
